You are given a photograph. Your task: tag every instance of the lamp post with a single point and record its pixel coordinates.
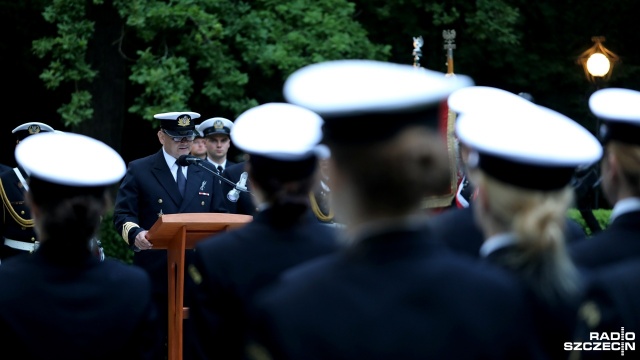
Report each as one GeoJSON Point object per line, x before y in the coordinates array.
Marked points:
{"type": "Point", "coordinates": [597, 63]}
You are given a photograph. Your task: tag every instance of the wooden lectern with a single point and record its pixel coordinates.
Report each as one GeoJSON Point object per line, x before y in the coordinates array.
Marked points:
{"type": "Point", "coordinates": [176, 233]}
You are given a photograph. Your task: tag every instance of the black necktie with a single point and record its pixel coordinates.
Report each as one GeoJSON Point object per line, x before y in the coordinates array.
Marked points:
{"type": "Point", "coordinates": [181, 180]}
{"type": "Point", "coordinates": [220, 169]}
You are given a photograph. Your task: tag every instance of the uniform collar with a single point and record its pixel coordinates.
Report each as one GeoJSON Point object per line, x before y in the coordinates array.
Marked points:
{"type": "Point", "coordinates": [223, 164]}
{"type": "Point", "coordinates": [372, 229]}
{"type": "Point", "coordinates": [496, 242]}
{"type": "Point", "coordinates": [624, 206]}
{"type": "Point", "coordinates": [169, 159]}
{"type": "Point", "coordinates": [263, 206]}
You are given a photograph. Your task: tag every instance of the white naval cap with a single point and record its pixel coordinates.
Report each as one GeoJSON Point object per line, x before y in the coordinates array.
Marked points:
{"type": "Point", "coordinates": [529, 148]}
{"type": "Point", "coordinates": [31, 128]}
{"type": "Point", "coordinates": [478, 98]}
{"type": "Point", "coordinates": [367, 100]}
{"type": "Point", "coordinates": [280, 139]}
{"type": "Point", "coordinates": [619, 110]}
{"type": "Point", "coordinates": [199, 132]}
{"type": "Point", "coordinates": [178, 123]}
{"type": "Point", "coordinates": [216, 125]}
{"type": "Point", "coordinates": [278, 130]}
{"type": "Point", "coordinates": [70, 159]}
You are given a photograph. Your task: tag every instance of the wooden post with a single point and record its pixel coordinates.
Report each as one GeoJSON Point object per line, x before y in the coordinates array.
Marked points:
{"type": "Point", "coordinates": [175, 233]}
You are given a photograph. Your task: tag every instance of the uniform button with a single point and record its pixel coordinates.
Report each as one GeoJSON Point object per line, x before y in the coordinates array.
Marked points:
{"type": "Point", "coordinates": [33, 239]}
{"type": "Point", "coordinates": [23, 228]}
{"type": "Point", "coordinates": [202, 203]}
{"type": "Point", "coordinates": [159, 201]}
{"type": "Point", "coordinates": [22, 212]}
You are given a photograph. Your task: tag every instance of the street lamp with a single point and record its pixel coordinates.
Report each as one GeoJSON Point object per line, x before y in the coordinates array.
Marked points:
{"type": "Point", "coordinates": [598, 61]}
{"type": "Point", "coordinates": [598, 65]}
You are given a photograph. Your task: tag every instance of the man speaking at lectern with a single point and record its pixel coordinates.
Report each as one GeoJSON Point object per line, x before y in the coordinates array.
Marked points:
{"type": "Point", "coordinates": [157, 185]}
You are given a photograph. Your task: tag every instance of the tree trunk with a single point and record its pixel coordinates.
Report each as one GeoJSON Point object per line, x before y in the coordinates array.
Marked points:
{"type": "Point", "coordinates": [108, 89]}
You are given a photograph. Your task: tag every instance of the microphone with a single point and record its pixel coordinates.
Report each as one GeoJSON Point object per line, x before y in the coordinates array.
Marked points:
{"type": "Point", "coordinates": [186, 160]}
{"type": "Point", "coordinates": [234, 194]}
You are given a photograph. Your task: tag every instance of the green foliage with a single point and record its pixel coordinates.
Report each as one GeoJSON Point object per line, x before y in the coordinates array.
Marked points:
{"type": "Point", "coordinates": [78, 109]}
{"type": "Point", "coordinates": [224, 56]}
{"type": "Point", "coordinates": [195, 54]}
{"type": "Point", "coordinates": [495, 20]}
{"type": "Point", "coordinates": [112, 243]}
{"type": "Point", "coordinates": [68, 52]}
{"type": "Point", "coordinates": [281, 37]}
{"type": "Point", "coordinates": [601, 215]}
{"type": "Point", "coordinates": [485, 29]}
{"type": "Point", "coordinates": [166, 83]}
{"type": "Point", "coordinates": [441, 14]}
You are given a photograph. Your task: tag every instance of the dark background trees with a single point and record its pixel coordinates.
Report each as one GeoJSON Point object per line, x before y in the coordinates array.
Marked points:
{"type": "Point", "coordinates": [103, 68]}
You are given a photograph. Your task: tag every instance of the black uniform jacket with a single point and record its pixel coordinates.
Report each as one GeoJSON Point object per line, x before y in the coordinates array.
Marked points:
{"type": "Point", "coordinates": [554, 319]}
{"type": "Point", "coordinates": [230, 268]}
{"type": "Point", "coordinates": [245, 204]}
{"type": "Point", "coordinates": [147, 191]}
{"type": "Point", "coordinates": [4, 168]}
{"type": "Point", "coordinates": [60, 305]}
{"type": "Point", "coordinates": [459, 231]}
{"type": "Point", "coordinates": [16, 222]}
{"type": "Point", "coordinates": [620, 241]}
{"type": "Point", "coordinates": [394, 295]}
{"type": "Point", "coordinates": [229, 163]}
{"type": "Point", "coordinates": [611, 303]}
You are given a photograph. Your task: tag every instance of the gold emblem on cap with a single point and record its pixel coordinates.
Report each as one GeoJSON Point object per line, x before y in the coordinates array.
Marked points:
{"type": "Point", "coordinates": [33, 129]}
{"type": "Point", "coordinates": [218, 124]}
{"type": "Point", "coordinates": [184, 120]}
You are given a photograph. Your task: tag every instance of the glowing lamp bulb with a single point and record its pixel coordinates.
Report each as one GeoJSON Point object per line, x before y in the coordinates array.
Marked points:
{"type": "Point", "coordinates": [598, 65]}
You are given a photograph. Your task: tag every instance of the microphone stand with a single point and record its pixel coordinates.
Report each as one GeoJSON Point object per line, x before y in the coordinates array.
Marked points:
{"type": "Point", "coordinates": [220, 176]}
{"type": "Point", "coordinates": [186, 160]}
{"type": "Point", "coordinates": [236, 187]}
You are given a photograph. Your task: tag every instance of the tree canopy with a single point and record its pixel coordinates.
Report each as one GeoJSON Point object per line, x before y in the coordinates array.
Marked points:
{"type": "Point", "coordinates": [108, 64]}
{"type": "Point", "coordinates": [216, 57]}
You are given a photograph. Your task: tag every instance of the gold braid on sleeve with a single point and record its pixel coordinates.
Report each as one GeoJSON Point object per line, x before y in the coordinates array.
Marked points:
{"type": "Point", "coordinates": [126, 228]}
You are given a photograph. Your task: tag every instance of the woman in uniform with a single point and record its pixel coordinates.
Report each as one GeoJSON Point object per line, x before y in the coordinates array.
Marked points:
{"type": "Point", "coordinates": [62, 302]}
{"type": "Point", "coordinates": [612, 257]}
{"type": "Point", "coordinates": [230, 268]}
{"type": "Point", "coordinates": [393, 292]}
{"type": "Point", "coordinates": [522, 161]}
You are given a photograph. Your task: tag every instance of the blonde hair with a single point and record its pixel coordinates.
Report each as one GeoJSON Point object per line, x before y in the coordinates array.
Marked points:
{"type": "Point", "coordinates": [538, 220]}
{"type": "Point", "coordinates": [628, 157]}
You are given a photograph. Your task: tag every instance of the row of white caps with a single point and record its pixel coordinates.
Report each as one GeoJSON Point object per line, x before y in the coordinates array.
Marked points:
{"type": "Point", "coordinates": [345, 100]}
{"type": "Point", "coordinates": [358, 100]}
{"type": "Point", "coordinates": [183, 124]}
{"type": "Point", "coordinates": [519, 142]}
{"type": "Point", "coordinates": [532, 146]}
